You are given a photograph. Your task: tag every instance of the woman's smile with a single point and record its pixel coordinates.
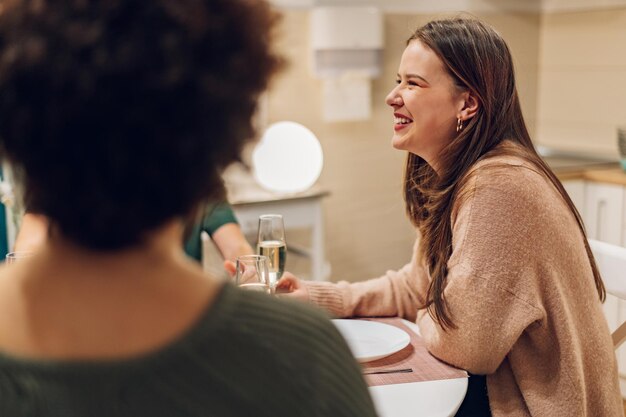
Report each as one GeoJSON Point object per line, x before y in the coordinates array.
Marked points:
{"type": "Point", "coordinates": [400, 121]}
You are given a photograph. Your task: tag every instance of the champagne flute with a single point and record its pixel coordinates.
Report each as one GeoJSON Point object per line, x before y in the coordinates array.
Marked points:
{"type": "Point", "coordinates": [252, 273]}
{"type": "Point", "coordinates": [271, 243]}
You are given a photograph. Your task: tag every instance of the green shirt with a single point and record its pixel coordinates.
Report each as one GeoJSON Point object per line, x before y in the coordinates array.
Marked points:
{"type": "Point", "coordinates": [248, 355]}
{"type": "Point", "coordinates": [214, 216]}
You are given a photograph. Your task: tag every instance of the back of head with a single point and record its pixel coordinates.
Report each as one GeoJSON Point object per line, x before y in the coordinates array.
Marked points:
{"type": "Point", "coordinates": [120, 115]}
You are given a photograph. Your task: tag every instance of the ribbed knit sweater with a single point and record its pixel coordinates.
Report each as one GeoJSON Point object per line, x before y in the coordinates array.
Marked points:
{"type": "Point", "coordinates": [521, 292]}
{"type": "Point", "coordinates": [248, 355]}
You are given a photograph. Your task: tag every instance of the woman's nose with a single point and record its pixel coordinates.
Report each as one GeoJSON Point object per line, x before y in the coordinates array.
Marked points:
{"type": "Point", "coordinates": [393, 99]}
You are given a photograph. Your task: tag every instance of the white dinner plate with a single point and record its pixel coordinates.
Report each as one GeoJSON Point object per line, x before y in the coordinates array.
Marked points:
{"type": "Point", "coordinates": [370, 340]}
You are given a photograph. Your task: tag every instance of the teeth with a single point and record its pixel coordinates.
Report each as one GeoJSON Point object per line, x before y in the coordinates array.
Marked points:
{"type": "Point", "coordinates": [401, 120]}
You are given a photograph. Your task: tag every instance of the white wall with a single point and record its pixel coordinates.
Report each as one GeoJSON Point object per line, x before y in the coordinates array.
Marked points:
{"type": "Point", "coordinates": [582, 80]}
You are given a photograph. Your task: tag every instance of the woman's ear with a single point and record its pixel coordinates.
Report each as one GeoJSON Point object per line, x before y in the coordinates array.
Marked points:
{"type": "Point", "coordinates": [470, 105]}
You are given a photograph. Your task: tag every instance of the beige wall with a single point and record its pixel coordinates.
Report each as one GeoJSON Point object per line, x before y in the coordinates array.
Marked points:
{"type": "Point", "coordinates": [366, 228]}
{"type": "Point", "coordinates": [582, 80]}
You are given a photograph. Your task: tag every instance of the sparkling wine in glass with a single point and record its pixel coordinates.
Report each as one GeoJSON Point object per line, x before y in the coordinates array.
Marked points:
{"type": "Point", "coordinates": [252, 273]}
{"type": "Point", "coordinates": [271, 243]}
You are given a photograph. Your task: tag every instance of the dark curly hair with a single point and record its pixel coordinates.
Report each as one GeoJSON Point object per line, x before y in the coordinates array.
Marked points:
{"type": "Point", "coordinates": [117, 116]}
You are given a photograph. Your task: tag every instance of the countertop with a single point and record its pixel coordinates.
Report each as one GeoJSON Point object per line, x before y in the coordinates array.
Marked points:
{"type": "Point", "coordinates": [588, 169]}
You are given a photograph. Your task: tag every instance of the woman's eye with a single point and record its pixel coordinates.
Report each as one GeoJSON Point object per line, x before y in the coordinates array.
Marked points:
{"type": "Point", "coordinates": [398, 81]}
{"type": "Point", "coordinates": [413, 83]}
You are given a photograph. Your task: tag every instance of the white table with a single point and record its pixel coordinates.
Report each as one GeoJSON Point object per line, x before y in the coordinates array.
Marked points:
{"type": "Point", "coordinates": [440, 398]}
{"type": "Point", "coordinates": [299, 210]}
{"type": "Point", "coordinates": [420, 399]}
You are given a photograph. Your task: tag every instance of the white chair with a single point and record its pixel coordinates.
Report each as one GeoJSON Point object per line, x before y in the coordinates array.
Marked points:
{"type": "Point", "coordinates": [611, 261]}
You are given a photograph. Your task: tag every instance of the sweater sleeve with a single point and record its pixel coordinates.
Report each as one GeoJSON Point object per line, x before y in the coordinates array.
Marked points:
{"type": "Point", "coordinates": [493, 284]}
{"type": "Point", "coordinates": [397, 293]}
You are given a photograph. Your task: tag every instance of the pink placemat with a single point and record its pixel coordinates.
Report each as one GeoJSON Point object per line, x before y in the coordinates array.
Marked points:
{"type": "Point", "coordinates": [415, 355]}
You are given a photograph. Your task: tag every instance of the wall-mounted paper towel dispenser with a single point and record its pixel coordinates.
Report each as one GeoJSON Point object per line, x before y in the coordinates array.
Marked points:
{"type": "Point", "coordinates": [345, 39]}
{"type": "Point", "coordinates": [347, 46]}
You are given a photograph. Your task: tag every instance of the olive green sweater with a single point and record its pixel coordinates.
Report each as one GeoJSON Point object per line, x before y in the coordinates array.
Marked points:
{"type": "Point", "coordinates": [249, 355]}
{"type": "Point", "coordinates": [521, 292]}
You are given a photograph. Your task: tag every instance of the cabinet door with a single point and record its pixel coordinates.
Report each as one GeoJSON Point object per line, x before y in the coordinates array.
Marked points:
{"type": "Point", "coordinates": [604, 211]}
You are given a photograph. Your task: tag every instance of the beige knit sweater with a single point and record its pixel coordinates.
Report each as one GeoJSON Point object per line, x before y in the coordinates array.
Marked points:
{"type": "Point", "coordinates": [520, 290]}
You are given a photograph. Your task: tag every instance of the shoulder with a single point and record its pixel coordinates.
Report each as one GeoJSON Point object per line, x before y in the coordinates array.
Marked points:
{"type": "Point", "coordinates": [506, 169]}
{"type": "Point", "coordinates": [509, 181]}
{"type": "Point", "coordinates": [294, 339]}
{"type": "Point", "coordinates": [216, 215]}
{"type": "Point", "coordinates": [511, 210]}
{"type": "Point", "coordinates": [506, 197]}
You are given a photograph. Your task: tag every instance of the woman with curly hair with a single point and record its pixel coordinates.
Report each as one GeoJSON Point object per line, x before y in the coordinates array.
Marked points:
{"type": "Point", "coordinates": [117, 118]}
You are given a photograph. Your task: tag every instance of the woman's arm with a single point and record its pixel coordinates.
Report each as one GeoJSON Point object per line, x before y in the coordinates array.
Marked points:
{"type": "Point", "coordinates": [397, 293]}
{"type": "Point", "coordinates": [231, 242]}
{"type": "Point", "coordinates": [220, 223]}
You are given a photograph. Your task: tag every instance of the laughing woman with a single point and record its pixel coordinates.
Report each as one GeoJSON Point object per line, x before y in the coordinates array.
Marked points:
{"type": "Point", "coordinates": [502, 282]}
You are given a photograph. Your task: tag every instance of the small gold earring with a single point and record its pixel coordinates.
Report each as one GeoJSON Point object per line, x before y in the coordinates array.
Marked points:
{"type": "Point", "coordinates": [459, 124]}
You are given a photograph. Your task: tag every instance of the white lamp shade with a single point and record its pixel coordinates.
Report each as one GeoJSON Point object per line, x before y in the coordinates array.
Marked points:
{"type": "Point", "coordinates": [288, 158]}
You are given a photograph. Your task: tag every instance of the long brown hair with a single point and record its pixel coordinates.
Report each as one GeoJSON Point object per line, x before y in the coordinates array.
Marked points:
{"type": "Point", "coordinates": [478, 60]}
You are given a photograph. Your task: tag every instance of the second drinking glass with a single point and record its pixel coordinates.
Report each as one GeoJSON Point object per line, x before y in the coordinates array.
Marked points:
{"type": "Point", "coordinates": [271, 243]}
{"type": "Point", "coordinates": [252, 273]}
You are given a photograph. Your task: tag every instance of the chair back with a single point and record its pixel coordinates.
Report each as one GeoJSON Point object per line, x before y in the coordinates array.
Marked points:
{"type": "Point", "coordinates": [611, 261]}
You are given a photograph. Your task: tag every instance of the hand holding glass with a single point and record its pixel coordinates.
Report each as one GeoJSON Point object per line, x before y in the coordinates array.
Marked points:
{"type": "Point", "coordinates": [271, 243]}
{"type": "Point", "coordinates": [252, 273]}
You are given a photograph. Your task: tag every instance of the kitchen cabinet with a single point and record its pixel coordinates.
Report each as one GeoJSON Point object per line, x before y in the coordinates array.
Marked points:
{"type": "Point", "coordinates": [602, 207]}
{"type": "Point", "coordinates": [604, 212]}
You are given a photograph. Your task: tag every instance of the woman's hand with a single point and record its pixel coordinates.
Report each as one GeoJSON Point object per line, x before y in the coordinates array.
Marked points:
{"type": "Point", "coordinates": [230, 268]}
{"type": "Point", "coordinates": [288, 286]}
{"type": "Point", "coordinates": [291, 286]}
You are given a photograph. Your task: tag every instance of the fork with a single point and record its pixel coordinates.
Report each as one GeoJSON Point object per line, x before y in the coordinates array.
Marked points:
{"type": "Point", "coordinates": [389, 371]}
